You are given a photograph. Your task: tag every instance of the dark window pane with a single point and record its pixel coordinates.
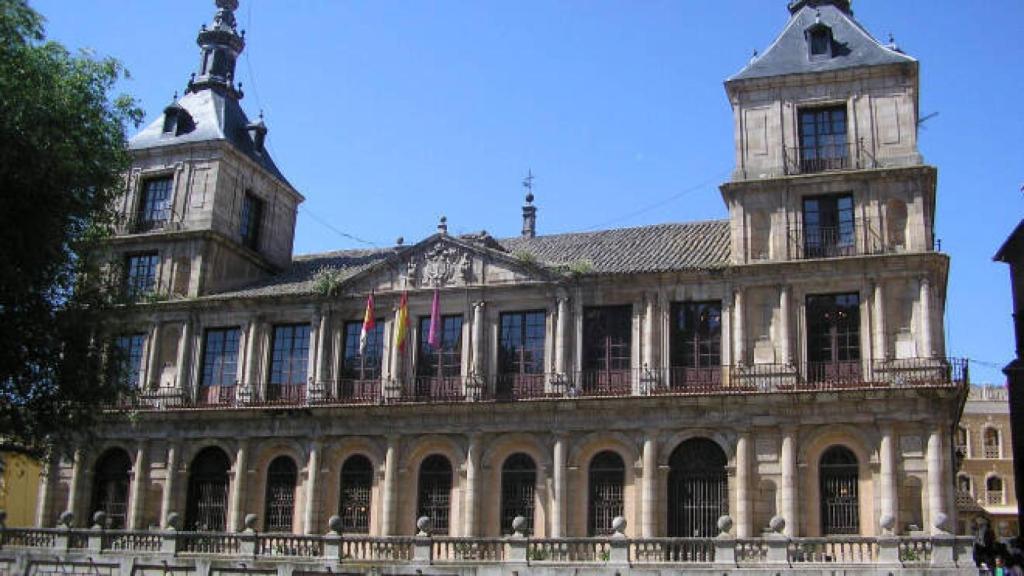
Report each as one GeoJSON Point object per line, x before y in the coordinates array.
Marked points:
{"type": "Point", "coordinates": [366, 366]}
{"type": "Point", "coordinates": [129, 350]}
{"type": "Point", "coordinates": [521, 343]}
{"type": "Point", "coordinates": [252, 214]}
{"type": "Point", "coordinates": [220, 357]}
{"type": "Point", "coordinates": [446, 360]}
{"type": "Point", "coordinates": [155, 204]}
{"type": "Point", "coordinates": [140, 274]}
{"type": "Point", "coordinates": [280, 494]}
{"type": "Point", "coordinates": [607, 338]}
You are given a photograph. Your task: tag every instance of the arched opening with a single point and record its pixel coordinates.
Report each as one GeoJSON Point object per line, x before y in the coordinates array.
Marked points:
{"type": "Point", "coordinates": [435, 494]}
{"type": "Point", "coordinates": [356, 493]}
{"type": "Point", "coordinates": [896, 224]}
{"type": "Point", "coordinates": [207, 505]}
{"type": "Point", "coordinates": [110, 487]}
{"type": "Point", "coordinates": [518, 480]}
{"type": "Point", "coordinates": [962, 442]}
{"type": "Point", "coordinates": [698, 492]}
{"type": "Point", "coordinates": [280, 494]}
{"type": "Point", "coordinates": [991, 441]}
{"type": "Point", "coordinates": [607, 484]}
{"type": "Point", "coordinates": [911, 504]}
{"type": "Point", "coordinates": [840, 504]}
{"type": "Point", "coordinates": [994, 490]}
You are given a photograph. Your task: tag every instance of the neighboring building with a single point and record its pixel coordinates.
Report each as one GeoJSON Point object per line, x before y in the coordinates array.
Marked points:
{"type": "Point", "coordinates": [19, 485]}
{"type": "Point", "coordinates": [985, 479]}
{"type": "Point", "coordinates": [1012, 253]}
{"type": "Point", "coordinates": [786, 362]}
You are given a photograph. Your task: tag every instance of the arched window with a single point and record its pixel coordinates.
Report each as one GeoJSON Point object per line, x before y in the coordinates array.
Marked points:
{"type": "Point", "coordinates": [994, 490]}
{"type": "Point", "coordinates": [518, 479]}
{"type": "Point", "coordinates": [280, 495]}
{"type": "Point", "coordinates": [356, 491]}
{"type": "Point", "coordinates": [435, 494]}
{"type": "Point", "coordinates": [698, 493]}
{"type": "Point", "coordinates": [840, 504]}
{"type": "Point", "coordinates": [962, 442]}
{"type": "Point", "coordinates": [110, 487]}
{"type": "Point", "coordinates": [607, 482]}
{"type": "Point", "coordinates": [991, 439]}
{"type": "Point", "coordinates": [207, 505]}
{"type": "Point", "coordinates": [964, 485]}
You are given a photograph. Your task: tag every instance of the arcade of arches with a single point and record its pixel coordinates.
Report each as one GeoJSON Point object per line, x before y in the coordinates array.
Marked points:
{"type": "Point", "coordinates": [663, 483]}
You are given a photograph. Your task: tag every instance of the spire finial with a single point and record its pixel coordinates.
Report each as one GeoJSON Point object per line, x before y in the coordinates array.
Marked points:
{"type": "Point", "coordinates": [528, 184]}
{"type": "Point", "coordinates": [529, 210]}
{"type": "Point", "coordinates": [442, 225]}
{"type": "Point", "coordinates": [220, 45]}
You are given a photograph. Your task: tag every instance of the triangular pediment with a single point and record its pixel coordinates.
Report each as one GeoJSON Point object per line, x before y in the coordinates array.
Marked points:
{"type": "Point", "coordinates": [442, 261]}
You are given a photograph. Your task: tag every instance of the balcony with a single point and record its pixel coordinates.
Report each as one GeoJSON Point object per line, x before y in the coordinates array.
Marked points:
{"type": "Point", "coordinates": [434, 389]}
{"type": "Point", "coordinates": [857, 238]}
{"type": "Point", "coordinates": [520, 386]}
{"type": "Point", "coordinates": [826, 158]}
{"type": "Point", "coordinates": [143, 225]}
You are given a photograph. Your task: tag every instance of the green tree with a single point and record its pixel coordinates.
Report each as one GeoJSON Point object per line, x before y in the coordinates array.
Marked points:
{"type": "Point", "coordinates": [62, 158]}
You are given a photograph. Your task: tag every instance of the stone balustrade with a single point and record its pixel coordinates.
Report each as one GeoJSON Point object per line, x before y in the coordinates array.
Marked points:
{"type": "Point", "coordinates": [90, 551]}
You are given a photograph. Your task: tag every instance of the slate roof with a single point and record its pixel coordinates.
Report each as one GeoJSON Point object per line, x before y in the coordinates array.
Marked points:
{"type": "Point", "coordinates": [656, 248]}
{"type": "Point", "coordinates": [216, 117]}
{"type": "Point", "coordinates": [789, 54]}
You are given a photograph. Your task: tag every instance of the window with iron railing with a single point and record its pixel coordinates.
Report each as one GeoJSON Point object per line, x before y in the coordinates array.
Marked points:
{"type": "Point", "coordinates": [607, 348]}
{"type": "Point", "coordinates": [833, 337]}
{"type": "Point", "coordinates": [521, 352]}
{"type": "Point", "coordinates": [607, 477]}
{"type": "Point", "coordinates": [289, 362]}
{"type": "Point", "coordinates": [220, 364]}
{"type": "Point", "coordinates": [518, 483]}
{"type": "Point", "coordinates": [128, 348]}
{"type": "Point", "coordinates": [961, 442]}
{"type": "Point", "coordinates": [838, 490]}
{"type": "Point", "coordinates": [829, 228]}
{"type": "Point", "coordinates": [154, 205]}
{"type": "Point", "coordinates": [206, 504]}
{"type": "Point", "coordinates": [445, 360]}
{"type": "Point", "coordinates": [435, 493]}
{"type": "Point", "coordinates": [823, 143]}
{"type": "Point", "coordinates": [695, 342]}
{"type": "Point", "coordinates": [994, 490]}
{"type": "Point", "coordinates": [992, 445]}
{"type": "Point", "coordinates": [282, 475]}
{"type": "Point", "coordinates": [356, 495]}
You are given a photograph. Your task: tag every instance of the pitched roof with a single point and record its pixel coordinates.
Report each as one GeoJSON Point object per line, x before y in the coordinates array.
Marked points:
{"type": "Point", "coordinates": [215, 117]}
{"type": "Point", "coordinates": [656, 248]}
{"type": "Point", "coordinates": [853, 46]}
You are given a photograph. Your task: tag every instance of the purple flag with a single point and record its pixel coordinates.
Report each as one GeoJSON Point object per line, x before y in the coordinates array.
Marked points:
{"type": "Point", "coordinates": [434, 337]}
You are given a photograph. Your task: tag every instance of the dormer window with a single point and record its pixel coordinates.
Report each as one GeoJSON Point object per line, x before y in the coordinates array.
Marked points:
{"type": "Point", "coordinates": [177, 120]}
{"type": "Point", "coordinates": [819, 41]}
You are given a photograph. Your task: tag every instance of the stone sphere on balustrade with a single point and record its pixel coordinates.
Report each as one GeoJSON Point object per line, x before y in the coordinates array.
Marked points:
{"type": "Point", "coordinates": [66, 519]}
{"type": "Point", "coordinates": [777, 524]}
{"type": "Point", "coordinates": [99, 519]}
{"type": "Point", "coordinates": [423, 524]}
{"type": "Point", "coordinates": [619, 525]}
{"type": "Point", "coordinates": [334, 523]}
{"type": "Point", "coordinates": [250, 521]}
{"type": "Point", "coordinates": [724, 524]}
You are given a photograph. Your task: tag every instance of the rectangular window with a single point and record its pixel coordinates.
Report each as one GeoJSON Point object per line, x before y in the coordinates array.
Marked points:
{"type": "Point", "coordinates": [249, 223]}
{"type": "Point", "coordinates": [823, 143]}
{"type": "Point", "coordinates": [155, 204]}
{"type": "Point", "coordinates": [833, 338]}
{"type": "Point", "coordinates": [289, 362]}
{"type": "Point", "coordinates": [129, 350]}
{"type": "Point", "coordinates": [521, 354]}
{"type": "Point", "coordinates": [140, 274]}
{"type": "Point", "coordinates": [220, 357]}
{"type": "Point", "coordinates": [607, 349]}
{"type": "Point", "coordinates": [365, 366]}
{"type": "Point", "coordinates": [446, 360]}
{"type": "Point", "coordinates": [695, 342]}
{"type": "Point", "coordinates": [829, 230]}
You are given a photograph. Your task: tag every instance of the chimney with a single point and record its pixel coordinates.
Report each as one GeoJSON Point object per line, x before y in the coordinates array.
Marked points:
{"type": "Point", "coordinates": [442, 226]}
{"type": "Point", "coordinates": [529, 217]}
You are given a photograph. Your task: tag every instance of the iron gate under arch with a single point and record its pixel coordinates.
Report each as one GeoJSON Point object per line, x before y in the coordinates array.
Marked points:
{"type": "Point", "coordinates": [356, 494]}
{"type": "Point", "coordinates": [607, 479]}
{"type": "Point", "coordinates": [518, 481]}
{"type": "Point", "coordinates": [435, 493]}
{"type": "Point", "coordinates": [207, 505]}
{"type": "Point", "coordinates": [840, 501]}
{"type": "Point", "coordinates": [282, 475]}
{"type": "Point", "coordinates": [698, 489]}
{"type": "Point", "coordinates": [110, 487]}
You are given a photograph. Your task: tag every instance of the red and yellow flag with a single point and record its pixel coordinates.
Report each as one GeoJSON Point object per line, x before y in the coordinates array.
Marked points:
{"type": "Point", "coordinates": [367, 324]}
{"type": "Point", "coordinates": [402, 322]}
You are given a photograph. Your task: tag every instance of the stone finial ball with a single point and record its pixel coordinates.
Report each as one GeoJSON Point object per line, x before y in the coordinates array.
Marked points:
{"type": "Point", "coordinates": [887, 522]}
{"type": "Point", "coordinates": [619, 524]}
{"type": "Point", "coordinates": [334, 523]}
{"type": "Point", "coordinates": [777, 524]}
{"type": "Point", "coordinates": [519, 524]}
{"type": "Point", "coordinates": [173, 521]}
{"type": "Point", "coordinates": [423, 524]}
{"type": "Point", "coordinates": [724, 523]}
{"type": "Point", "coordinates": [940, 521]}
{"type": "Point", "coordinates": [99, 518]}
{"type": "Point", "coordinates": [250, 521]}
{"type": "Point", "coordinates": [67, 518]}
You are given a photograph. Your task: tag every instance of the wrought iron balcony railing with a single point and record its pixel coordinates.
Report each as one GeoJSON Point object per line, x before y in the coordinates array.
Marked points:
{"type": "Point", "coordinates": [827, 158]}
{"type": "Point", "coordinates": [858, 237]}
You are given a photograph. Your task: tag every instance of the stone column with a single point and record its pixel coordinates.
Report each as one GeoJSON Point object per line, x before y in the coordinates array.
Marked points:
{"type": "Point", "coordinates": [140, 474]}
{"type": "Point", "coordinates": [649, 495]}
{"type": "Point", "coordinates": [785, 326]}
{"type": "Point", "coordinates": [390, 504]}
{"type": "Point", "coordinates": [648, 333]}
{"type": "Point", "coordinates": [887, 473]}
{"type": "Point", "coordinates": [934, 460]}
{"type": "Point", "coordinates": [237, 515]}
{"type": "Point", "coordinates": [75, 486]}
{"type": "Point", "coordinates": [881, 345]}
{"type": "Point", "coordinates": [312, 471]}
{"type": "Point", "coordinates": [322, 350]}
{"type": "Point", "coordinates": [562, 336]}
{"type": "Point", "coordinates": [251, 364]}
{"type": "Point", "coordinates": [152, 379]}
{"type": "Point", "coordinates": [47, 485]}
{"type": "Point", "coordinates": [789, 482]}
{"type": "Point", "coordinates": [184, 348]}
{"type": "Point", "coordinates": [314, 340]}
{"type": "Point", "coordinates": [743, 516]}
{"type": "Point", "coordinates": [472, 470]}
{"type": "Point", "coordinates": [738, 346]}
{"type": "Point", "coordinates": [926, 318]}
{"type": "Point", "coordinates": [479, 362]}
{"type": "Point", "coordinates": [167, 501]}
{"type": "Point", "coordinates": [558, 503]}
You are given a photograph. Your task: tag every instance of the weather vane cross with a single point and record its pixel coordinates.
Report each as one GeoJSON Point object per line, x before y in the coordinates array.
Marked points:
{"type": "Point", "coordinates": [528, 182]}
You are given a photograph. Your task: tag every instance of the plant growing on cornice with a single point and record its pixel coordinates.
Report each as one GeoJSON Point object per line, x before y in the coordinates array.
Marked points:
{"type": "Point", "coordinates": [578, 268]}
{"type": "Point", "coordinates": [327, 281]}
{"type": "Point", "coordinates": [526, 258]}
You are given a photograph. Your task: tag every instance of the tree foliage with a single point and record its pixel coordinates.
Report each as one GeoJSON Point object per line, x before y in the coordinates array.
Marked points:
{"type": "Point", "coordinates": [62, 158]}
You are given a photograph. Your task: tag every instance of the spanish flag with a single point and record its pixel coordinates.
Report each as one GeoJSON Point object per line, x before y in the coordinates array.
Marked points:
{"type": "Point", "coordinates": [402, 322]}
{"type": "Point", "coordinates": [367, 324]}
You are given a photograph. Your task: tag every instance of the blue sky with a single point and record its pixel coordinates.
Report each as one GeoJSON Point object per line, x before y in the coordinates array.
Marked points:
{"type": "Point", "coordinates": [387, 114]}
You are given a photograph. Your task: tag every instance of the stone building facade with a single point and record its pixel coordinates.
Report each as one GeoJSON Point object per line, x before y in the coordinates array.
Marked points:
{"type": "Point", "coordinates": [785, 362]}
{"type": "Point", "coordinates": [985, 487]}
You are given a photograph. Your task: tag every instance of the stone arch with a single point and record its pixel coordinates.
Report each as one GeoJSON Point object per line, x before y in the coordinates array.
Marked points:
{"type": "Point", "coordinates": [677, 438]}
{"type": "Point", "coordinates": [265, 454]}
{"type": "Point", "coordinates": [336, 453]}
{"type": "Point", "coordinates": [991, 441]}
{"type": "Point", "coordinates": [208, 483]}
{"type": "Point", "coordinates": [584, 450]}
{"type": "Point", "coordinates": [111, 482]}
{"type": "Point", "coordinates": [280, 486]}
{"type": "Point", "coordinates": [419, 450]}
{"type": "Point", "coordinates": [812, 447]}
{"type": "Point", "coordinates": [698, 488]}
{"type": "Point", "coordinates": [995, 488]}
{"type": "Point", "coordinates": [491, 465]}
